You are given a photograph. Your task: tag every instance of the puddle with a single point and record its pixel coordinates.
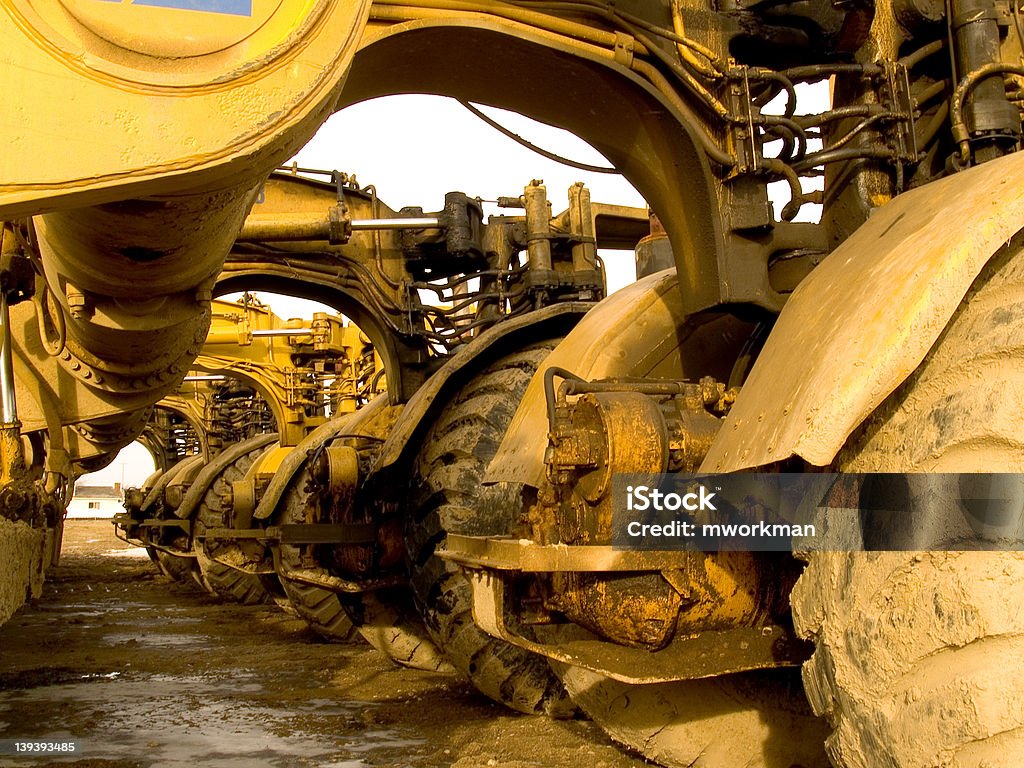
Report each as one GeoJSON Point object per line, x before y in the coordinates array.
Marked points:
{"type": "Point", "coordinates": [133, 552]}
{"type": "Point", "coordinates": [154, 640]}
{"type": "Point", "coordinates": [181, 722]}
{"type": "Point", "coordinates": [147, 674]}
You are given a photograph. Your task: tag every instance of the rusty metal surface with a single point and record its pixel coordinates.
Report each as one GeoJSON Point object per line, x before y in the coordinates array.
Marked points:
{"type": "Point", "coordinates": [860, 324]}
{"type": "Point", "coordinates": [689, 657]}
{"type": "Point", "coordinates": [527, 556]}
{"type": "Point", "coordinates": [641, 330]}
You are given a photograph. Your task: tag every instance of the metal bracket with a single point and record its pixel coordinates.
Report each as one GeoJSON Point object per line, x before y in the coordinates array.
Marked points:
{"type": "Point", "coordinates": [898, 84]}
{"type": "Point", "coordinates": [492, 563]}
{"type": "Point", "coordinates": [707, 654]}
{"type": "Point", "coordinates": [300, 533]}
{"type": "Point", "coordinates": [524, 556]}
{"type": "Point", "coordinates": [155, 522]}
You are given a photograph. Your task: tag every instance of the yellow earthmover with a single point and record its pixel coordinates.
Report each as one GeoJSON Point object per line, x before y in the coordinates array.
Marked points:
{"type": "Point", "coordinates": [882, 338]}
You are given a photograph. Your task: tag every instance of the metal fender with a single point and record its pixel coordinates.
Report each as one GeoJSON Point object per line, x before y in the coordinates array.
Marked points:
{"type": "Point", "coordinates": [642, 330]}
{"type": "Point", "coordinates": [867, 316]}
{"type": "Point", "coordinates": [506, 336]}
{"type": "Point", "coordinates": [372, 419]}
{"type": "Point", "coordinates": [183, 468]}
{"type": "Point", "coordinates": [201, 484]}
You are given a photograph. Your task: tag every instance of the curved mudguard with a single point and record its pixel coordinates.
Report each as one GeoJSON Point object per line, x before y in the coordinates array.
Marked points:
{"type": "Point", "coordinates": [209, 472]}
{"type": "Point", "coordinates": [345, 424]}
{"type": "Point", "coordinates": [866, 317]}
{"type": "Point", "coordinates": [853, 331]}
{"type": "Point", "coordinates": [178, 470]}
{"type": "Point", "coordinates": [497, 340]}
{"type": "Point", "coordinates": [640, 331]}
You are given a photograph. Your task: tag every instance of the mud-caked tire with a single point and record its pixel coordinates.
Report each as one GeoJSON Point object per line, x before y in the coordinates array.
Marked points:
{"type": "Point", "coordinates": [231, 584]}
{"type": "Point", "coordinates": [179, 569]}
{"type": "Point", "coordinates": [222, 580]}
{"type": "Point", "coordinates": [389, 621]}
{"type": "Point", "coordinates": [919, 655]}
{"type": "Point", "coordinates": [448, 497]}
{"type": "Point", "coordinates": [321, 610]}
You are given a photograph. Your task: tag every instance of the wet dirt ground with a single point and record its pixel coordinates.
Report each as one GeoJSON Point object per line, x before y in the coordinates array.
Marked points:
{"type": "Point", "coordinates": [143, 672]}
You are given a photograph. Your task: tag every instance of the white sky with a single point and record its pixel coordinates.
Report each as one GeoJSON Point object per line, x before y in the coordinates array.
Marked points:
{"type": "Point", "coordinates": [416, 148]}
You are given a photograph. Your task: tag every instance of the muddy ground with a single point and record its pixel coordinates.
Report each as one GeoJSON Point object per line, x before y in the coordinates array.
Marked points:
{"type": "Point", "coordinates": [143, 672]}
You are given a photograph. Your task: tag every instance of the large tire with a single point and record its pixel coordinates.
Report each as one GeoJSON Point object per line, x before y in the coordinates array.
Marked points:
{"type": "Point", "coordinates": [183, 568]}
{"type": "Point", "coordinates": [752, 719]}
{"type": "Point", "coordinates": [389, 621]}
{"type": "Point", "coordinates": [222, 580]}
{"type": "Point", "coordinates": [919, 655]}
{"type": "Point", "coordinates": [179, 569]}
{"type": "Point", "coordinates": [321, 610]}
{"type": "Point", "coordinates": [318, 607]}
{"type": "Point", "coordinates": [448, 497]}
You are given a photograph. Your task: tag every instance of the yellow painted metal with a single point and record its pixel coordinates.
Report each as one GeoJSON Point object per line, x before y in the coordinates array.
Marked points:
{"type": "Point", "coordinates": [637, 331]}
{"type": "Point", "coordinates": [262, 362]}
{"type": "Point", "coordinates": [461, 49]}
{"type": "Point", "coordinates": [267, 464]}
{"type": "Point", "coordinates": [138, 168]}
{"type": "Point", "coordinates": [265, 362]}
{"type": "Point", "coordinates": [239, 93]}
{"type": "Point", "coordinates": [865, 318]}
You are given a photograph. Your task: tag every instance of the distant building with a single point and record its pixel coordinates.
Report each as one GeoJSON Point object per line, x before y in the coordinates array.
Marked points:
{"type": "Point", "coordinates": [96, 501]}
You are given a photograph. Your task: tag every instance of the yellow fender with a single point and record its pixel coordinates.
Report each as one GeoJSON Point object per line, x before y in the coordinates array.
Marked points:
{"type": "Point", "coordinates": [863, 321]}
{"type": "Point", "coordinates": [642, 330]}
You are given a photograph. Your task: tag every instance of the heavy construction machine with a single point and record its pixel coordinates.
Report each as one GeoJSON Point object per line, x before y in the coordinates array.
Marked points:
{"type": "Point", "coordinates": [882, 338]}
{"type": "Point", "coordinates": [261, 382]}
{"type": "Point", "coordinates": [283, 507]}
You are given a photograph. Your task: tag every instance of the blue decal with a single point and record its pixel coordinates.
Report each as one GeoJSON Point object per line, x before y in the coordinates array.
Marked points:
{"type": "Point", "coordinates": [232, 7]}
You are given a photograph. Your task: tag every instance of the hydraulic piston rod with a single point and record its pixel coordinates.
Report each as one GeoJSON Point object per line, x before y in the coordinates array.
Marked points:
{"type": "Point", "coordinates": [315, 226]}
{"type": "Point", "coordinates": [8, 405]}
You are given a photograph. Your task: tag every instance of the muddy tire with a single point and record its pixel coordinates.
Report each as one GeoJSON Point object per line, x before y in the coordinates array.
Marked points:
{"type": "Point", "coordinates": [222, 580]}
{"type": "Point", "coordinates": [919, 655]}
{"type": "Point", "coordinates": [233, 585]}
{"type": "Point", "coordinates": [321, 610]}
{"type": "Point", "coordinates": [751, 719]}
{"type": "Point", "coordinates": [386, 619]}
{"type": "Point", "coordinates": [177, 569]}
{"type": "Point", "coordinates": [447, 497]}
{"type": "Point", "coordinates": [318, 607]}
{"type": "Point", "coordinates": [389, 621]}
